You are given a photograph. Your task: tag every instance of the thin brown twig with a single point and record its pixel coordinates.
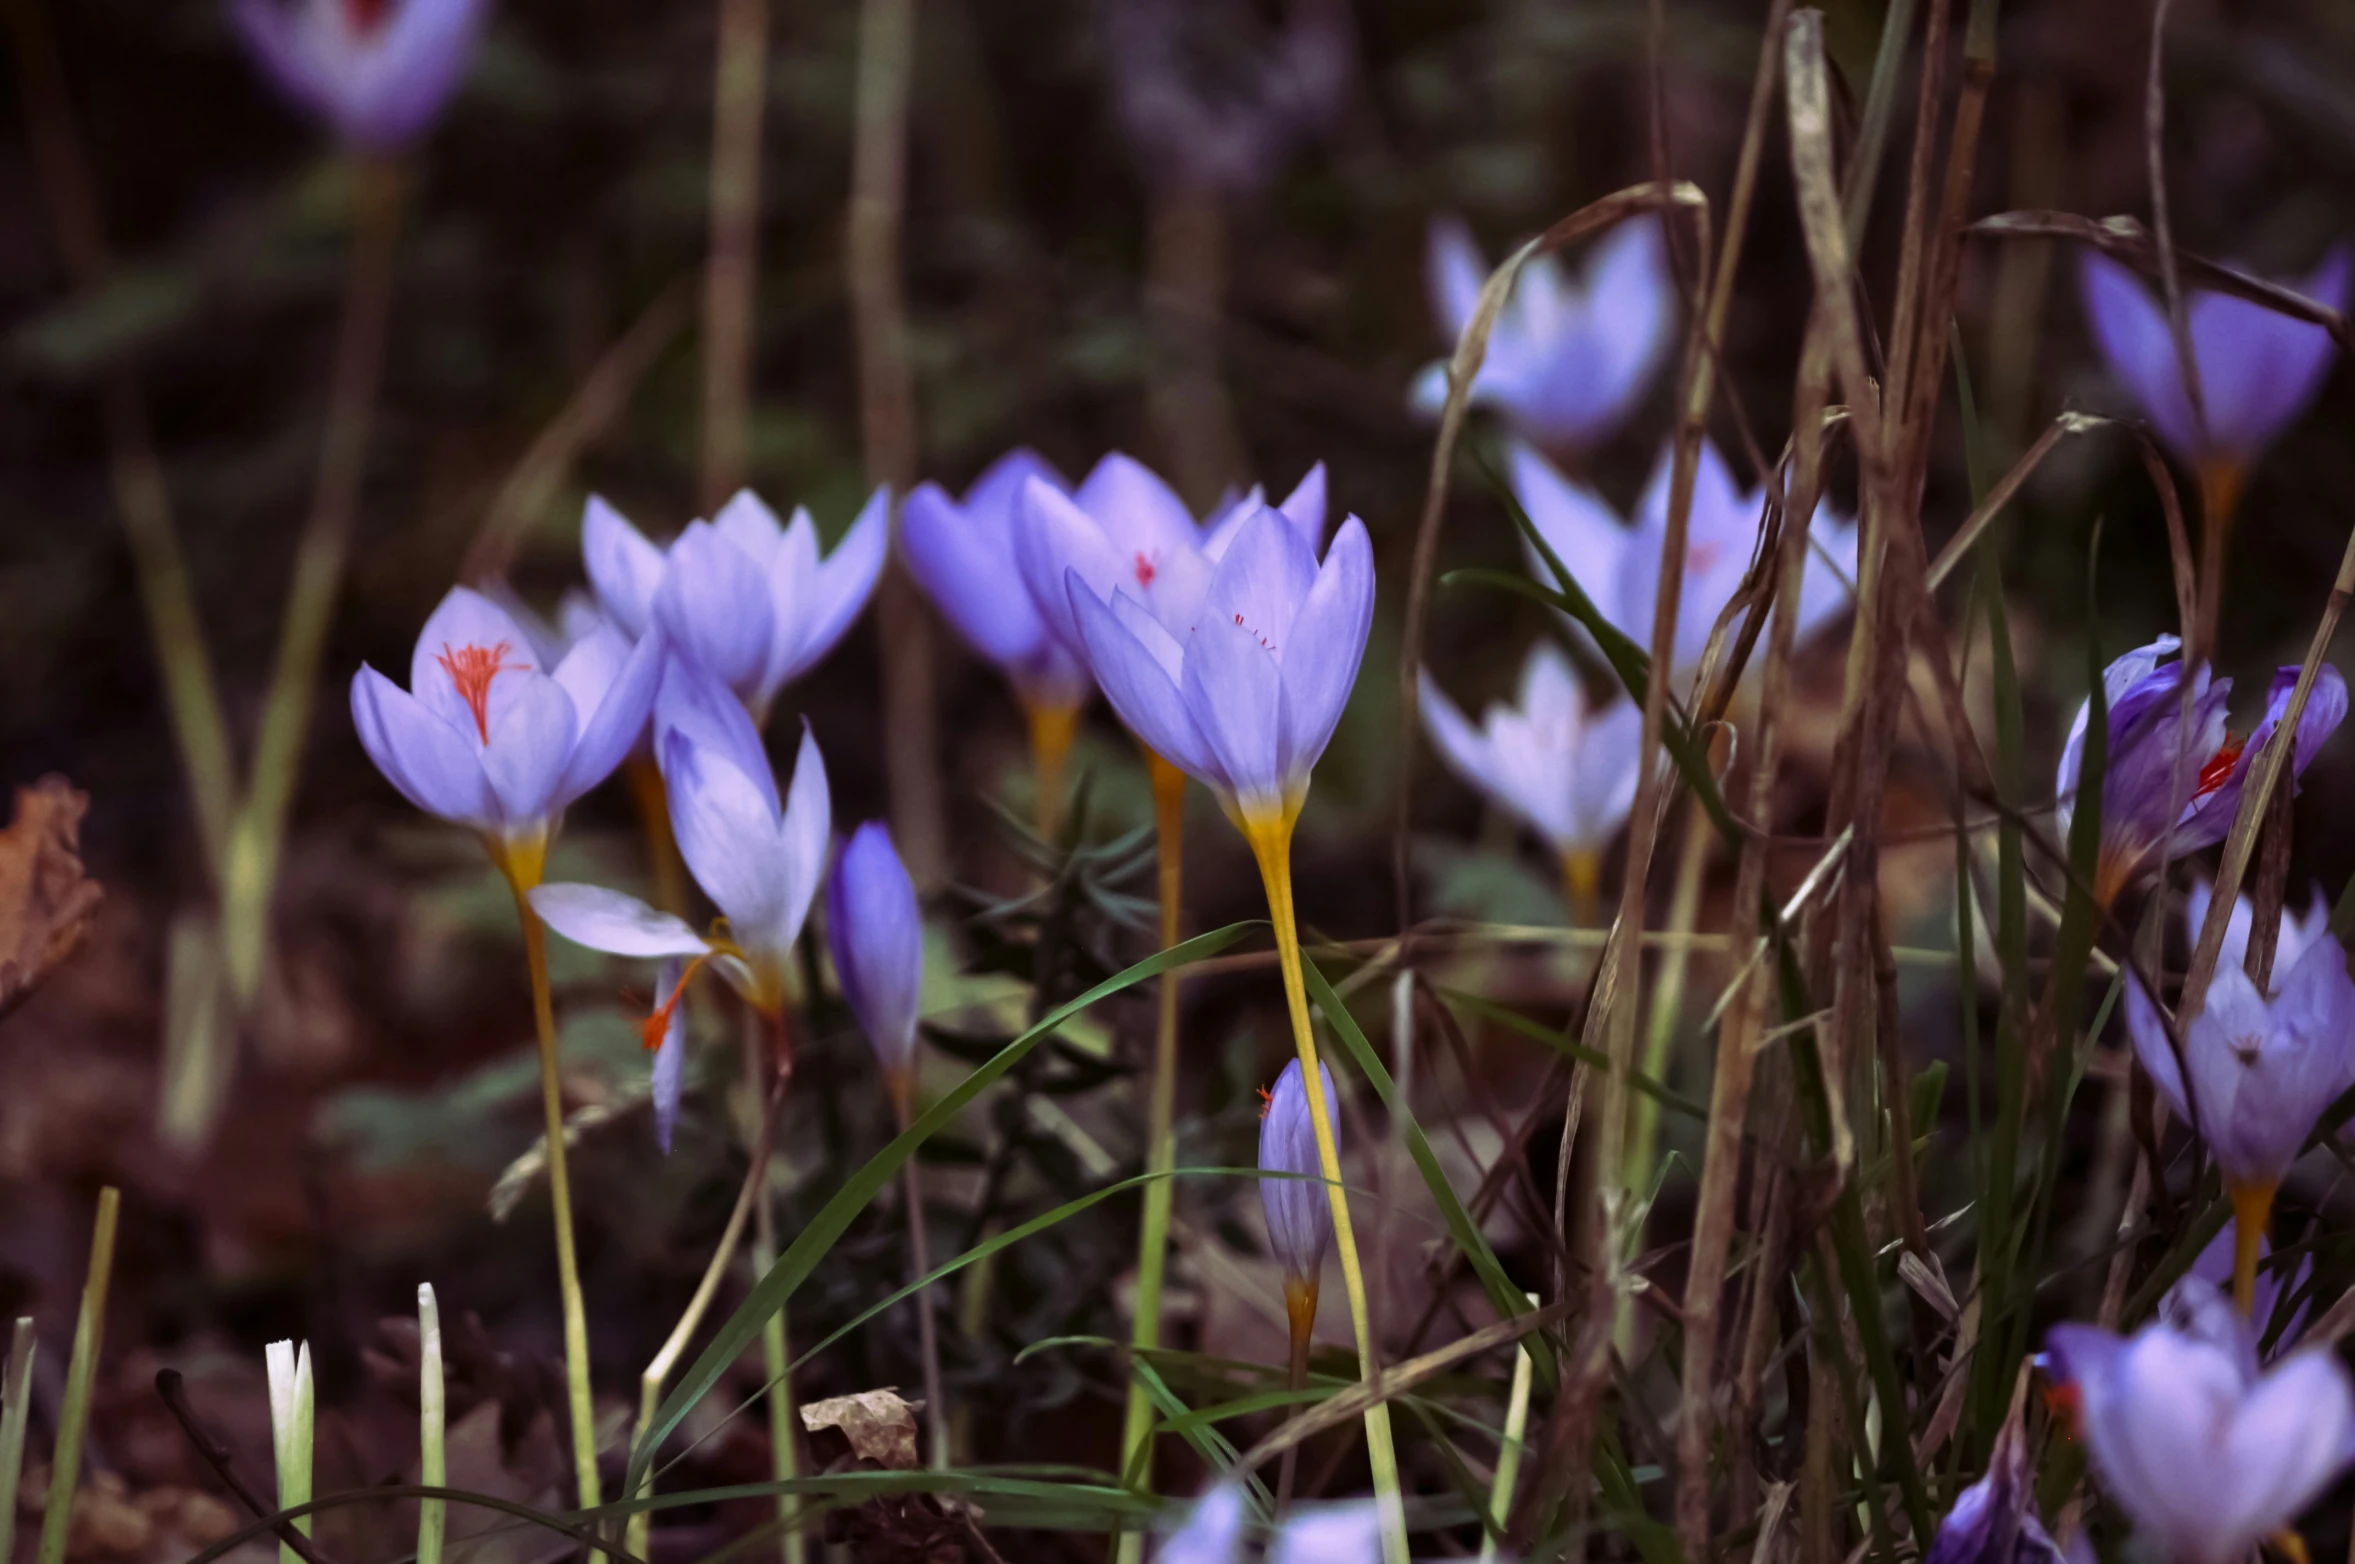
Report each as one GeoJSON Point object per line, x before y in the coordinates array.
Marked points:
{"type": "Point", "coordinates": [215, 1454]}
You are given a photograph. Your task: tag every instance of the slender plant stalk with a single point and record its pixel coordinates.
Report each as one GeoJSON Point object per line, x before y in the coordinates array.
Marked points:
{"type": "Point", "coordinates": [433, 1420]}
{"type": "Point", "coordinates": [739, 89]}
{"type": "Point", "coordinates": [1053, 725]}
{"type": "Point", "coordinates": [2221, 482]}
{"type": "Point", "coordinates": [1271, 844]}
{"type": "Point", "coordinates": [776, 1366]}
{"type": "Point", "coordinates": [1169, 826]}
{"type": "Point", "coordinates": [662, 848]}
{"type": "Point", "coordinates": [1508, 1455]}
{"type": "Point", "coordinates": [259, 833]}
{"type": "Point", "coordinates": [658, 1371]}
{"type": "Point", "coordinates": [16, 1406]}
{"type": "Point", "coordinates": [936, 1412]}
{"type": "Point", "coordinates": [1300, 1319]}
{"type": "Point", "coordinates": [73, 1419]}
{"type": "Point", "coordinates": [1684, 910]}
{"type": "Point", "coordinates": [1582, 884]}
{"type": "Point", "coordinates": [523, 863]}
{"type": "Point", "coordinates": [291, 1424]}
{"type": "Point", "coordinates": [2252, 1204]}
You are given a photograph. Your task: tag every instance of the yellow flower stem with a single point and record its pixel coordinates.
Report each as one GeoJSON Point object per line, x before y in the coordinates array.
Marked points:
{"type": "Point", "coordinates": [662, 848]}
{"type": "Point", "coordinates": [2252, 1206]}
{"type": "Point", "coordinates": [1052, 728]}
{"type": "Point", "coordinates": [2221, 482]}
{"type": "Point", "coordinates": [1300, 1313]}
{"type": "Point", "coordinates": [522, 860]}
{"type": "Point", "coordinates": [1270, 836]}
{"type": "Point", "coordinates": [1582, 878]}
{"type": "Point", "coordinates": [1169, 826]}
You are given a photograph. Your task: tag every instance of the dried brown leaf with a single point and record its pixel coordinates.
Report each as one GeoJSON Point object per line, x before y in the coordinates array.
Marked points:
{"type": "Point", "coordinates": [46, 900]}
{"type": "Point", "coordinates": [880, 1425]}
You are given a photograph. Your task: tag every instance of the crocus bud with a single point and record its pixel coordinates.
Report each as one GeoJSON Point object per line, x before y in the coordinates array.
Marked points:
{"type": "Point", "coordinates": [377, 70]}
{"type": "Point", "coordinates": [1994, 1520]}
{"type": "Point", "coordinates": [670, 1056]}
{"type": "Point", "coordinates": [1299, 1213]}
{"type": "Point", "coordinates": [876, 933]}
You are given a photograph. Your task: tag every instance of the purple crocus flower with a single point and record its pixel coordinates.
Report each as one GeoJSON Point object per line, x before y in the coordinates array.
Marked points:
{"type": "Point", "coordinates": [2260, 1071]}
{"type": "Point", "coordinates": [2258, 369]}
{"type": "Point", "coordinates": [1212, 1531]}
{"type": "Point", "coordinates": [961, 553]}
{"type": "Point", "coordinates": [2157, 757]}
{"type": "Point", "coordinates": [1565, 771]}
{"type": "Point", "coordinates": [484, 738]}
{"type": "Point", "coordinates": [1299, 1212]}
{"type": "Point", "coordinates": [2195, 1301]}
{"type": "Point", "coordinates": [1244, 693]}
{"type": "Point", "coordinates": [2298, 934]}
{"type": "Point", "coordinates": [1618, 566]}
{"type": "Point", "coordinates": [756, 855]}
{"type": "Point", "coordinates": [376, 70]}
{"type": "Point", "coordinates": [1349, 1533]}
{"type": "Point", "coordinates": [742, 596]}
{"type": "Point", "coordinates": [1567, 361]}
{"type": "Point", "coordinates": [2208, 1453]}
{"type": "Point", "coordinates": [1994, 1520]}
{"type": "Point", "coordinates": [876, 934]}
{"type": "Point", "coordinates": [1126, 530]}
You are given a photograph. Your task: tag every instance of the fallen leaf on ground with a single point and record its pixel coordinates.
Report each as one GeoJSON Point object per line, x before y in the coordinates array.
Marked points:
{"type": "Point", "coordinates": [46, 901]}
{"type": "Point", "coordinates": [880, 1426]}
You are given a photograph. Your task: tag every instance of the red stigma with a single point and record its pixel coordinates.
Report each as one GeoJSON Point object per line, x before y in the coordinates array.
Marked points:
{"type": "Point", "coordinates": [2218, 770]}
{"type": "Point", "coordinates": [2066, 1403]}
{"type": "Point", "coordinates": [471, 669]}
{"type": "Point", "coordinates": [1146, 569]}
{"type": "Point", "coordinates": [366, 16]}
{"type": "Point", "coordinates": [1266, 1101]}
{"type": "Point", "coordinates": [651, 1030]}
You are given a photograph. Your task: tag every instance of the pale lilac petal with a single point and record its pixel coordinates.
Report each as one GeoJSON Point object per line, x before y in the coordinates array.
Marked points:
{"type": "Point", "coordinates": [875, 932]}
{"type": "Point", "coordinates": [530, 745]}
{"type": "Point", "coordinates": [1456, 270]}
{"type": "Point", "coordinates": [1136, 509]}
{"type": "Point", "coordinates": [670, 1060]}
{"type": "Point", "coordinates": [1213, 1529]}
{"type": "Point", "coordinates": [747, 522]}
{"type": "Point", "coordinates": [1304, 507]}
{"type": "Point", "coordinates": [1053, 538]}
{"type": "Point", "coordinates": [610, 921]}
{"type": "Point", "coordinates": [807, 831]}
{"type": "Point", "coordinates": [1579, 527]}
{"type": "Point", "coordinates": [714, 606]}
{"type": "Point", "coordinates": [612, 685]}
{"type": "Point", "coordinates": [1610, 754]}
{"type": "Point", "coordinates": [994, 494]}
{"type": "Point", "coordinates": [463, 620]}
{"type": "Point", "coordinates": [1330, 1534]}
{"type": "Point", "coordinates": [432, 764]}
{"type": "Point", "coordinates": [727, 831]}
{"type": "Point", "coordinates": [1467, 751]}
{"type": "Point", "coordinates": [692, 702]}
{"type": "Point", "coordinates": [1234, 690]}
{"type": "Point", "coordinates": [2152, 1046]}
{"type": "Point", "coordinates": [1326, 643]}
{"type": "Point", "coordinates": [964, 560]}
{"type": "Point", "coordinates": [1263, 580]}
{"type": "Point", "coordinates": [1299, 1214]}
{"type": "Point", "coordinates": [1140, 687]}
{"type": "Point", "coordinates": [404, 75]}
{"type": "Point", "coordinates": [2289, 1440]}
{"type": "Point", "coordinates": [844, 583]}
{"type": "Point", "coordinates": [625, 569]}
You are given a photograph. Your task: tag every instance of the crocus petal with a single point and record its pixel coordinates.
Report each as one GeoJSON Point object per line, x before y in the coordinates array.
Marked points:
{"type": "Point", "coordinates": [1610, 760]}
{"type": "Point", "coordinates": [876, 934]}
{"type": "Point", "coordinates": [1053, 538]}
{"type": "Point", "coordinates": [1136, 509]}
{"type": "Point", "coordinates": [840, 590]}
{"type": "Point", "coordinates": [625, 569]}
{"type": "Point", "coordinates": [807, 829]}
{"type": "Point", "coordinates": [1578, 526]}
{"type": "Point", "coordinates": [1465, 748]}
{"type": "Point", "coordinates": [714, 606]}
{"type": "Point", "coordinates": [1140, 686]}
{"type": "Point", "coordinates": [1261, 582]}
{"type": "Point", "coordinates": [965, 564]}
{"type": "Point", "coordinates": [2131, 330]}
{"type": "Point", "coordinates": [692, 702]}
{"type": "Point", "coordinates": [747, 522]}
{"type": "Point", "coordinates": [1304, 507]}
{"type": "Point", "coordinates": [670, 1059]}
{"type": "Point", "coordinates": [610, 921]}
{"type": "Point", "coordinates": [1234, 690]}
{"type": "Point", "coordinates": [2289, 1440]}
{"type": "Point", "coordinates": [432, 764]}
{"type": "Point", "coordinates": [727, 832]}
{"type": "Point", "coordinates": [612, 685]}
{"type": "Point", "coordinates": [1330, 1534]}
{"type": "Point", "coordinates": [404, 75]}
{"type": "Point", "coordinates": [2258, 367]}
{"type": "Point", "coordinates": [465, 621]}
{"type": "Point", "coordinates": [2152, 1046]}
{"type": "Point", "coordinates": [1326, 644]}
{"type": "Point", "coordinates": [529, 747]}
{"type": "Point", "coordinates": [1299, 1213]}
{"type": "Point", "coordinates": [1213, 1530]}
{"type": "Point", "coordinates": [1455, 269]}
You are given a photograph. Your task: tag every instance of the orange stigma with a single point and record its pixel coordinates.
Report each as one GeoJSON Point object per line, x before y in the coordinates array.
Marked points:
{"type": "Point", "coordinates": [1267, 1100]}
{"type": "Point", "coordinates": [2218, 770]}
{"type": "Point", "coordinates": [2066, 1403]}
{"type": "Point", "coordinates": [472, 668]}
{"type": "Point", "coordinates": [651, 1030]}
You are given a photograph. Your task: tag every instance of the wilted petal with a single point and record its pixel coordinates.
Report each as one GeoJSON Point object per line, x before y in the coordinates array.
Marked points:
{"type": "Point", "coordinates": [432, 764]}
{"type": "Point", "coordinates": [876, 934]}
{"type": "Point", "coordinates": [714, 606]}
{"type": "Point", "coordinates": [608, 920]}
{"type": "Point", "coordinates": [625, 569]}
{"type": "Point", "coordinates": [1299, 1212]}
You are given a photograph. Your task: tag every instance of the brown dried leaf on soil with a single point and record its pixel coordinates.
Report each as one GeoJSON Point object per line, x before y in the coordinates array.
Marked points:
{"type": "Point", "coordinates": [880, 1426]}
{"type": "Point", "coordinates": [46, 901]}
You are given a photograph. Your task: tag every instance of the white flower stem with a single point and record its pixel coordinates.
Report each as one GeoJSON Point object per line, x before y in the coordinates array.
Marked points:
{"type": "Point", "coordinates": [290, 1432]}
{"type": "Point", "coordinates": [433, 1416]}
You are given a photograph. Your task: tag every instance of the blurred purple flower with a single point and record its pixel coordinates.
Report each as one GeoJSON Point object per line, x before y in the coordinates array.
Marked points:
{"type": "Point", "coordinates": [1212, 1531]}
{"type": "Point", "coordinates": [2207, 1454]}
{"type": "Point", "coordinates": [1210, 99]}
{"type": "Point", "coordinates": [2194, 1302]}
{"type": "Point", "coordinates": [961, 553]}
{"type": "Point", "coordinates": [1125, 528]}
{"type": "Point", "coordinates": [2297, 936]}
{"type": "Point", "coordinates": [2258, 369]}
{"type": "Point", "coordinates": [376, 70]}
{"type": "Point", "coordinates": [483, 738]}
{"type": "Point", "coordinates": [2157, 758]}
{"type": "Point", "coordinates": [1299, 1212]}
{"type": "Point", "coordinates": [1994, 1520]}
{"type": "Point", "coordinates": [1349, 1533]}
{"type": "Point", "coordinates": [758, 857]}
{"type": "Point", "coordinates": [2260, 1071]}
{"type": "Point", "coordinates": [875, 931]}
{"type": "Point", "coordinates": [1618, 566]}
{"type": "Point", "coordinates": [1566, 772]}
{"type": "Point", "coordinates": [743, 597]}
{"type": "Point", "coordinates": [1567, 360]}
{"type": "Point", "coordinates": [1244, 693]}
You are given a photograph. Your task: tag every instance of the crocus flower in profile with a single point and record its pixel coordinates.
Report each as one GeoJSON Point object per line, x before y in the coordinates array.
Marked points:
{"type": "Point", "coordinates": [377, 70]}
{"type": "Point", "coordinates": [1567, 360]}
{"type": "Point", "coordinates": [2160, 756]}
{"type": "Point", "coordinates": [2208, 1453]}
{"type": "Point", "coordinates": [1126, 530]}
{"type": "Point", "coordinates": [2258, 369]}
{"type": "Point", "coordinates": [875, 932]}
{"type": "Point", "coordinates": [1565, 771]}
{"type": "Point", "coordinates": [484, 738]}
{"type": "Point", "coordinates": [2299, 932]}
{"type": "Point", "coordinates": [1245, 695]}
{"type": "Point", "coordinates": [757, 856]}
{"type": "Point", "coordinates": [2254, 1076]}
{"type": "Point", "coordinates": [1994, 1520]}
{"type": "Point", "coordinates": [1618, 567]}
{"type": "Point", "coordinates": [961, 553]}
{"type": "Point", "coordinates": [745, 598]}
{"type": "Point", "coordinates": [1299, 1211]}
{"type": "Point", "coordinates": [2197, 1304]}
